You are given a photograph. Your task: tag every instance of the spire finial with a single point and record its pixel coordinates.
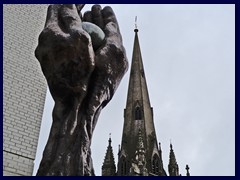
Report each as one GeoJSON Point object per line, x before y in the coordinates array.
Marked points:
{"type": "Point", "coordinates": [135, 22]}
{"type": "Point", "coordinates": [109, 139]}
{"type": "Point", "coordinates": [119, 149]}
{"type": "Point", "coordinates": [159, 147]}
{"type": "Point", "coordinates": [136, 29]}
{"type": "Point", "coordinates": [170, 144]}
{"type": "Point", "coordinates": [187, 168]}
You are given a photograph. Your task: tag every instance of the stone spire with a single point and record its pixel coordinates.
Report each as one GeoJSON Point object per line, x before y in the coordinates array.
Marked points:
{"type": "Point", "coordinates": [109, 168]}
{"type": "Point", "coordinates": [138, 114]}
{"type": "Point", "coordinates": [172, 166]}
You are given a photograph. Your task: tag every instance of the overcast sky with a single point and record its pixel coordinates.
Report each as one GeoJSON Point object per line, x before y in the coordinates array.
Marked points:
{"type": "Point", "coordinates": [188, 53]}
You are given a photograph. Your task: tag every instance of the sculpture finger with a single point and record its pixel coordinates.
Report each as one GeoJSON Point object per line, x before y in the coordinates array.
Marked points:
{"type": "Point", "coordinates": [87, 16]}
{"type": "Point", "coordinates": [52, 15]}
{"type": "Point", "coordinates": [97, 16]}
{"type": "Point", "coordinates": [69, 18]}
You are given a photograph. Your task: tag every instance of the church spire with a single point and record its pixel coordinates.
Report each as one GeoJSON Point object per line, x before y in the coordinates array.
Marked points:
{"type": "Point", "coordinates": [173, 166]}
{"type": "Point", "coordinates": [109, 168]}
{"type": "Point", "coordinates": [137, 89]}
{"type": "Point", "coordinates": [138, 115]}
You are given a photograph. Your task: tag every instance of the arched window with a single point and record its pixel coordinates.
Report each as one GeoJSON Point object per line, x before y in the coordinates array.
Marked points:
{"type": "Point", "coordinates": [155, 165]}
{"type": "Point", "coordinates": [138, 113]}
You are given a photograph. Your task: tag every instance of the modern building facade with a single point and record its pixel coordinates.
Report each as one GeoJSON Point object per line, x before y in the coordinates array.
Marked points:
{"type": "Point", "coordinates": [24, 87]}
{"type": "Point", "coordinates": [140, 153]}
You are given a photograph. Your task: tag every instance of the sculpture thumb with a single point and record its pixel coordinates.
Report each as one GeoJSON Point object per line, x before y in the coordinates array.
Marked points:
{"type": "Point", "coordinates": [112, 32]}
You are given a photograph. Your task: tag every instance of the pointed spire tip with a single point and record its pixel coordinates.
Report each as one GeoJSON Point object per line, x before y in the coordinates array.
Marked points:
{"type": "Point", "coordinates": [171, 147]}
{"type": "Point", "coordinates": [109, 140]}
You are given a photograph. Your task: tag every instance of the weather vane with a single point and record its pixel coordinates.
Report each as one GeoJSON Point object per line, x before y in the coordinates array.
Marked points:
{"type": "Point", "coordinates": [135, 22]}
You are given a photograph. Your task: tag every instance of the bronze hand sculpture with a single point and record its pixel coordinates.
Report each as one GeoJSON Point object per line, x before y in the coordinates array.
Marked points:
{"type": "Point", "coordinates": [82, 80]}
